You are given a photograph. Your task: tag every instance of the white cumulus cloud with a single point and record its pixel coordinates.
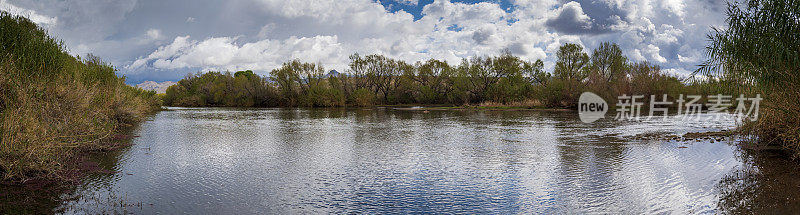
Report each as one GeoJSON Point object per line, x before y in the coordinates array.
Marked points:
{"type": "Point", "coordinates": [150, 39]}
{"type": "Point", "coordinates": [30, 14]}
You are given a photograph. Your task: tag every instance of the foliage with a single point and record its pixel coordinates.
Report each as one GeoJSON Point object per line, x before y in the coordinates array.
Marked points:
{"type": "Point", "coordinates": [759, 52]}
{"type": "Point", "coordinates": [303, 84]}
{"type": "Point", "coordinates": [363, 98]}
{"type": "Point", "coordinates": [608, 69]}
{"type": "Point", "coordinates": [380, 80]}
{"type": "Point", "coordinates": [243, 89]}
{"type": "Point", "coordinates": [55, 105]}
{"type": "Point", "coordinates": [571, 70]}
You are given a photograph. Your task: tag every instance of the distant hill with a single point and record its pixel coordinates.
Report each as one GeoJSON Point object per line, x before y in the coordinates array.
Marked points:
{"type": "Point", "coordinates": [155, 86]}
{"type": "Point", "coordinates": [331, 73]}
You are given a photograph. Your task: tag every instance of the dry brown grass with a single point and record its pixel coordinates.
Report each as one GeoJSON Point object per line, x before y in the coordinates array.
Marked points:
{"type": "Point", "coordinates": [53, 106]}
{"type": "Point", "coordinates": [44, 123]}
{"type": "Point", "coordinates": [778, 121]}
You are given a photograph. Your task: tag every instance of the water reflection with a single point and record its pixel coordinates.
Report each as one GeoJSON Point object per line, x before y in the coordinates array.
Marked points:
{"type": "Point", "coordinates": [380, 160]}
{"type": "Point", "coordinates": [765, 183]}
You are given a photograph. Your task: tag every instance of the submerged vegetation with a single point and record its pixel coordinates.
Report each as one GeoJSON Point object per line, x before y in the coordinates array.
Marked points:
{"type": "Point", "coordinates": [503, 80]}
{"type": "Point", "coordinates": [759, 52]}
{"type": "Point", "coordinates": [54, 105]}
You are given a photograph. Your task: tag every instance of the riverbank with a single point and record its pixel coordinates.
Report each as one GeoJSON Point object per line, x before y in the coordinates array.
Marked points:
{"type": "Point", "coordinates": [54, 107]}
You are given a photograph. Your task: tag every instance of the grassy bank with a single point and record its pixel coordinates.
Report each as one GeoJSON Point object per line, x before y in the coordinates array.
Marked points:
{"type": "Point", "coordinates": [54, 105]}
{"type": "Point", "coordinates": [761, 47]}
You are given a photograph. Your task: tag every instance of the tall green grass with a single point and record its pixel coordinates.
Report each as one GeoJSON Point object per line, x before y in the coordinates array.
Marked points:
{"type": "Point", "coordinates": [760, 51]}
{"type": "Point", "coordinates": [53, 105]}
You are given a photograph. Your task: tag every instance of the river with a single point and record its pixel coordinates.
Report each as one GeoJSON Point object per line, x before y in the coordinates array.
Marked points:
{"type": "Point", "coordinates": [382, 160]}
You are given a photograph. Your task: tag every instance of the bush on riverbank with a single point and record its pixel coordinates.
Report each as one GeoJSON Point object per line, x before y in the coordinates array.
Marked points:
{"type": "Point", "coordinates": [761, 50]}
{"type": "Point", "coordinates": [215, 89]}
{"type": "Point", "coordinates": [55, 105]}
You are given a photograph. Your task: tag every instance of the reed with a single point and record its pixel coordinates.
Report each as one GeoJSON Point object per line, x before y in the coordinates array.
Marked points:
{"type": "Point", "coordinates": [760, 51]}
{"type": "Point", "coordinates": [55, 106]}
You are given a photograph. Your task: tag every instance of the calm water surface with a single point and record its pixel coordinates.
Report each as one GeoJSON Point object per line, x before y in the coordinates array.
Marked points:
{"type": "Point", "coordinates": [380, 160]}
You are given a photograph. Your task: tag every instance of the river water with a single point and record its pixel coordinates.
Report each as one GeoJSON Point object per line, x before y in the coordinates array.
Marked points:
{"type": "Point", "coordinates": [382, 160]}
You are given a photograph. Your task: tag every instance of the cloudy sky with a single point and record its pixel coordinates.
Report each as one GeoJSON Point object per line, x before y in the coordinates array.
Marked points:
{"type": "Point", "coordinates": [163, 40]}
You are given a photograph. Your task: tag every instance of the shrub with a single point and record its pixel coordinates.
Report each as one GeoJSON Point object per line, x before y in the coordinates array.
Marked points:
{"type": "Point", "coordinates": [363, 98]}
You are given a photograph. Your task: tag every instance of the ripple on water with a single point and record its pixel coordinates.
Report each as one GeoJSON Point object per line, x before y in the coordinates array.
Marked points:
{"type": "Point", "coordinates": [219, 160]}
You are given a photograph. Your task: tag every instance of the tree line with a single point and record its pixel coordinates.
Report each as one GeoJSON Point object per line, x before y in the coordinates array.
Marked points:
{"type": "Point", "coordinates": [380, 80]}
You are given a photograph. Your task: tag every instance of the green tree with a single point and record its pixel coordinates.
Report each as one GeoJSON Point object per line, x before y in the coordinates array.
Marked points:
{"type": "Point", "coordinates": [571, 70]}
{"type": "Point", "coordinates": [434, 80]}
{"type": "Point", "coordinates": [510, 84]}
{"type": "Point", "coordinates": [535, 72]}
{"type": "Point", "coordinates": [608, 62]}
{"type": "Point", "coordinates": [301, 83]}
{"type": "Point", "coordinates": [607, 71]}
{"type": "Point", "coordinates": [571, 63]}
